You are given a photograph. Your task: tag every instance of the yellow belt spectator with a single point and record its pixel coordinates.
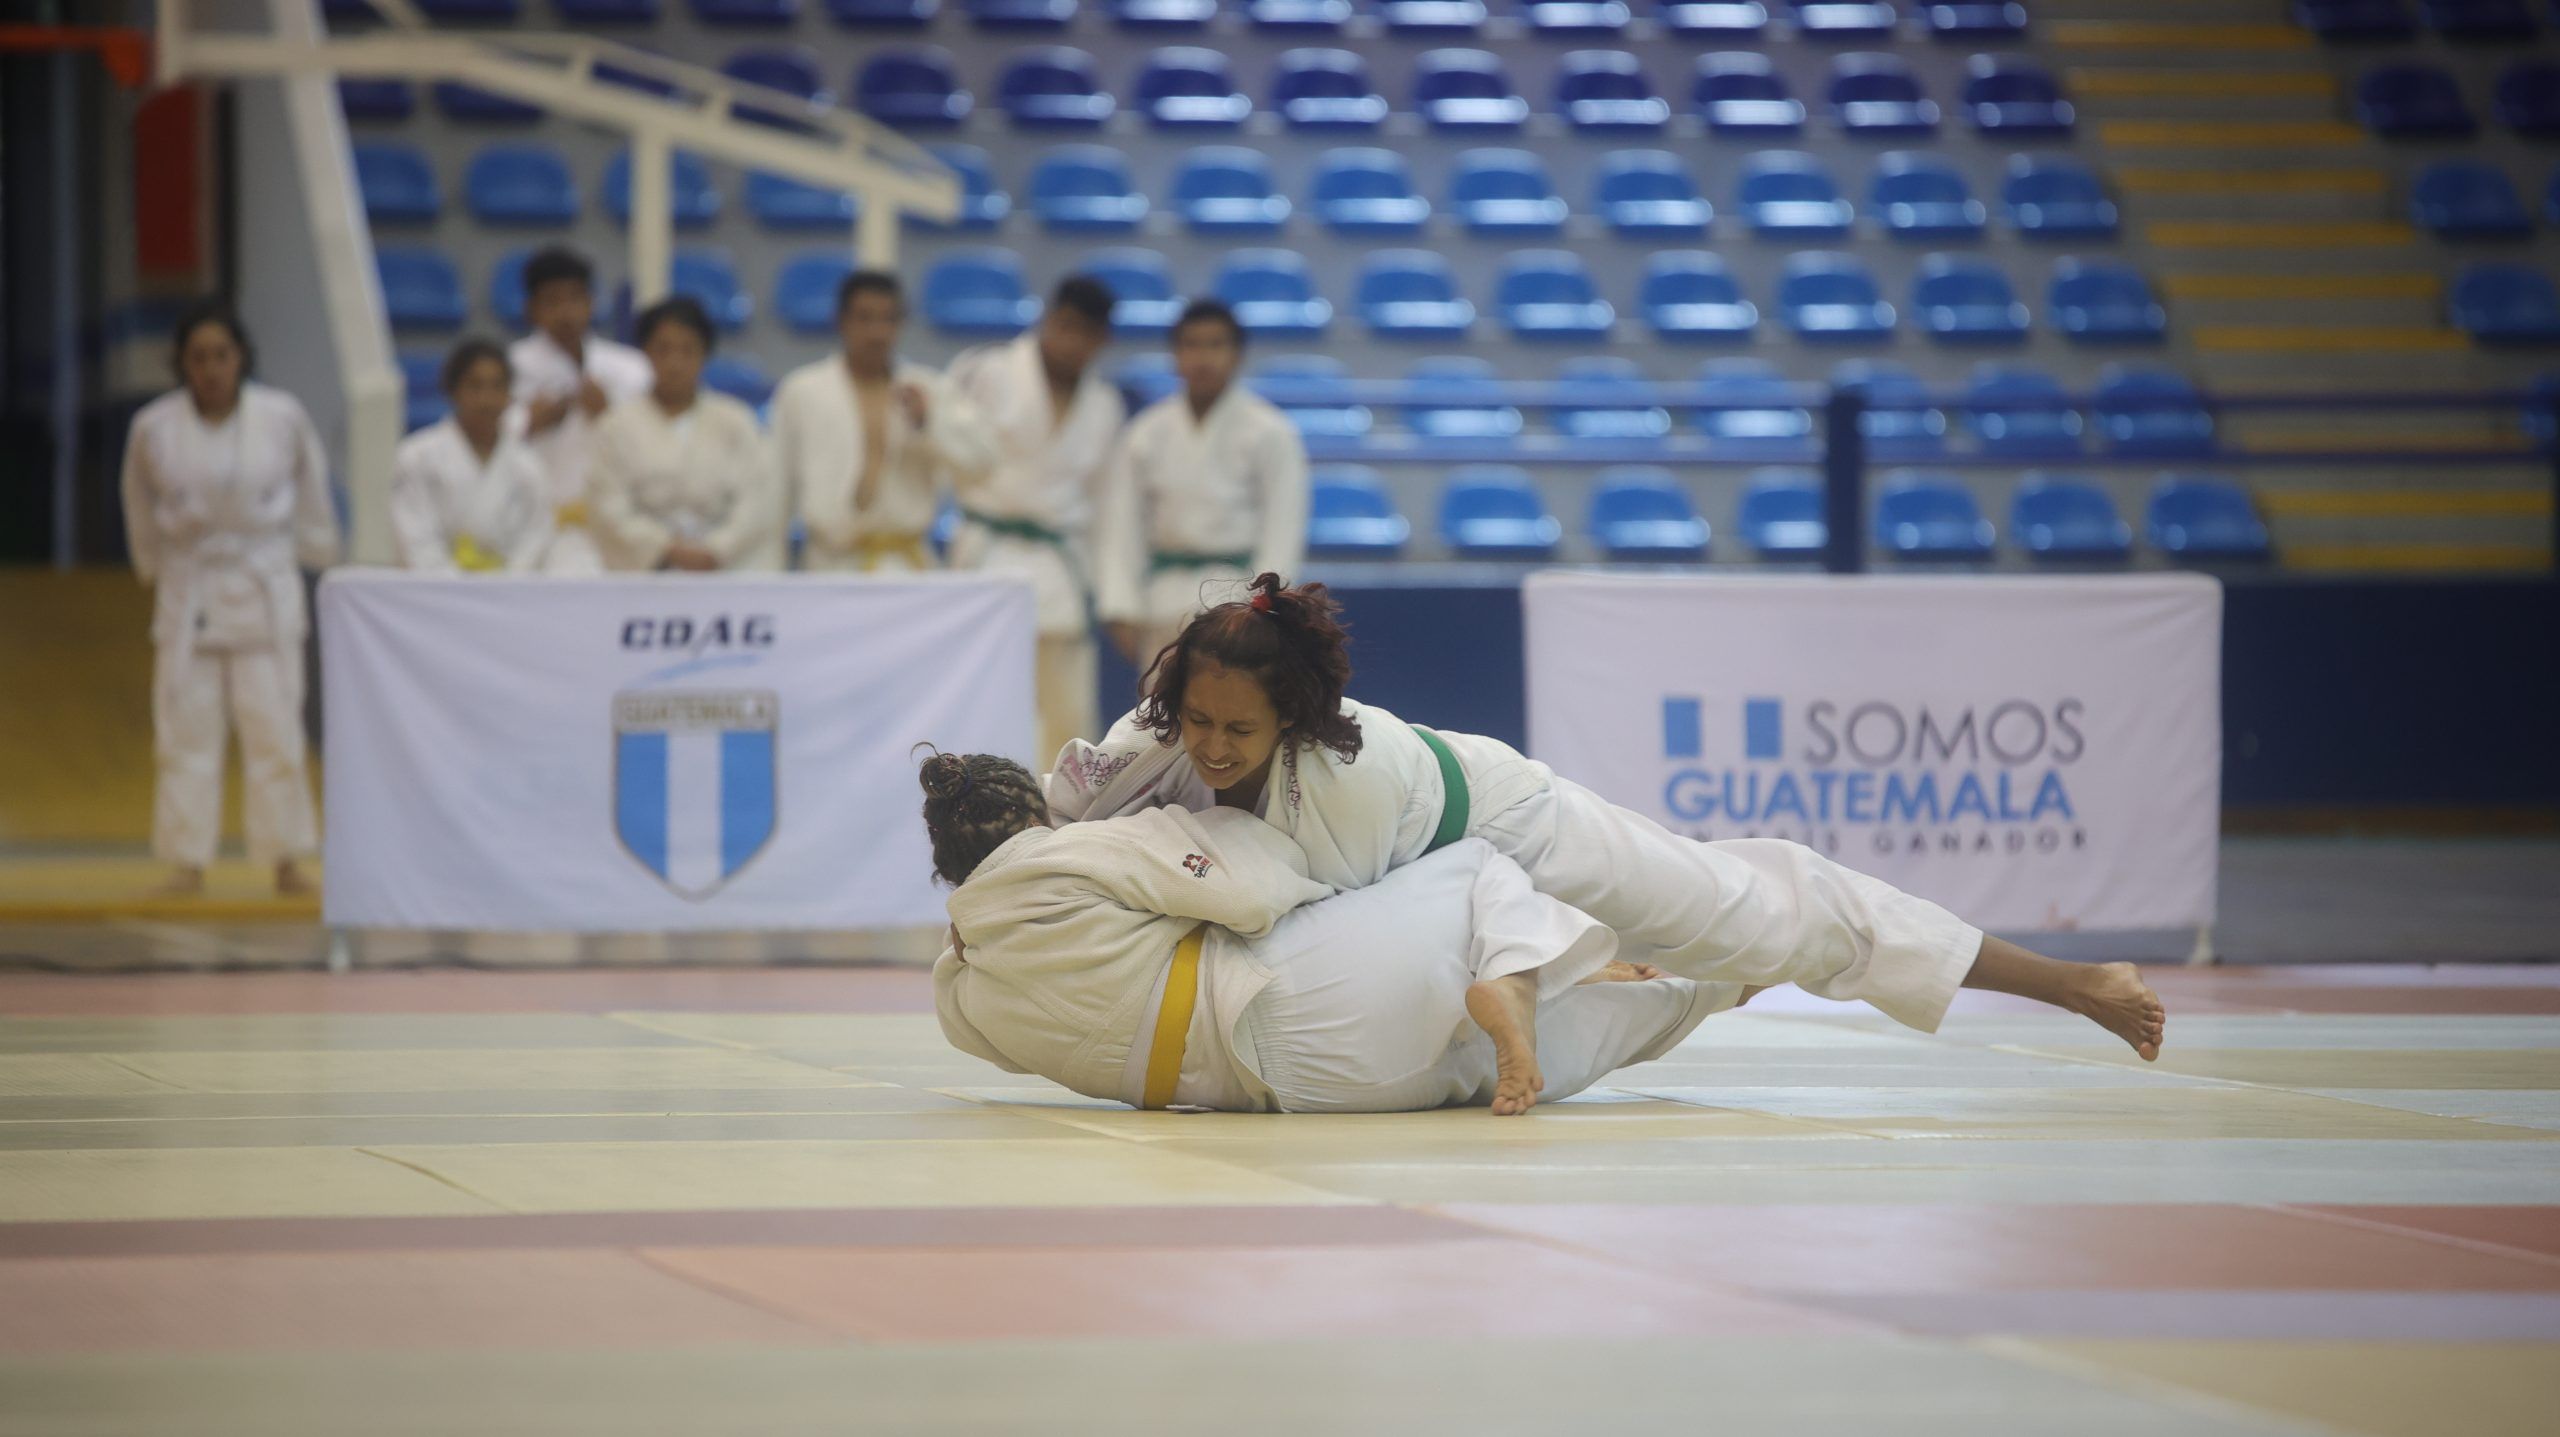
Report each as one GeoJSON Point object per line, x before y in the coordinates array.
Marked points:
{"type": "Point", "coordinates": [469, 557]}
{"type": "Point", "coordinates": [572, 515]}
{"type": "Point", "coordinates": [872, 548]}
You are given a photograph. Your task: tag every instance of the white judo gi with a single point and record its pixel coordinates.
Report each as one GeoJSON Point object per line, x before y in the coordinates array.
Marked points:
{"type": "Point", "coordinates": [543, 370]}
{"type": "Point", "coordinates": [222, 519]}
{"type": "Point", "coordinates": [1752, 910]}
{"type": "Point", "coordinates": [1355, 1003]}
{"type": "Point", "coordinates": [704, 476]}
{"type": "Point", "coordinates": [451, 513]}
{"type": "Point", "coordinates": [1031, 511]}
{"type": "Point", "coordinates": [1192, 509]}
{"type": "Point", "coordinates": [821, 446]}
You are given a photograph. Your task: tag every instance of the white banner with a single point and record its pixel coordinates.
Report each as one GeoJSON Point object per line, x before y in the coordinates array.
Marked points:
{"type": "Point", "coordinates": [651, 753]}
{"type": "Point", "coordinates": [2036, 754]}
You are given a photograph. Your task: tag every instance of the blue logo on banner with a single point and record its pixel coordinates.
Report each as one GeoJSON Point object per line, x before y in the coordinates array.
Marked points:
{"type": "Point", "coordinates": [694, 782]}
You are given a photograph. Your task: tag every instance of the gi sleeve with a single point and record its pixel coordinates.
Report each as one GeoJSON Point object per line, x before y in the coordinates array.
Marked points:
{"type": "Point", "coordinates": [1120, 538]}
{"type": "Point", "coordinates": [415, 524]}
{"type": "Point", "coordinates": [638, 540]}
{"type": "Point", "coordinates": [757, 512]}
{"type": "Point", "coordinates": [962, 440]}
{"type": "Point", "coordinates": [949, 975]}
{"type": "Point", "coordinates": [141, 518]}
{"type": "Point", "coordinates": [1225, 867]}
{"type": "Point", "coordinates": [315, 516]}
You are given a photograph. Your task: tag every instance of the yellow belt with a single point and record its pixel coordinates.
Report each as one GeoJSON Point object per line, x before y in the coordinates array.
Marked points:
{"type": "Point", "coordinates": [572, 515]}
{"type": "Point", "coordinates": [872, 548]}
{"type": "Point", "coordinates": [1173, 1022]}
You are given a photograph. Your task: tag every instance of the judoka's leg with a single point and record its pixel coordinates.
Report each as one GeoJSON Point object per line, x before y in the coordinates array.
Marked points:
{"type": "Point", "coordinates": [266, 705]}
{"type": "Point", "coordinates": [188, 734]}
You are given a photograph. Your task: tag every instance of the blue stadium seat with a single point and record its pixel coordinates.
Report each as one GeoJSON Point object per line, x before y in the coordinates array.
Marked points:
{"type": "Point", "coordinates": [1547, 294]}
{"type": "Point", "coordinates": [1714, 19]}
{"type": "Point", "coordinates": [779, 202]}
{"type": "Point", "coordinates": [1053, 88]}
{"type": "Point", "coordinates": [2541, 420]}
{"type": "Point", "coordinates": [1144, 303]}
{"type": "Point", "coordinates": [1975, 20]}
{"type": "Point", "coordinates": [1411, 294]}
{"type": "Point", "coordinates": [1145, 378]}
{"type": "Point", "coordinates": [1190, 88]}
{"type": "Point", "coordinates": [1788, 195]}
{"type": "Point", "coordinates": [2412, 102]}
{"type": "Point", "coordinates": [2093, 301]}
{"type": "Point", "coordinates": [2010, 98]}
{"type": "Point", "coordinates": [741, 378]}
{"type": "Point", "coordinates": [1740, 93]}
{"type": "Point", "coordinates": [884, 14]}
{"type": "Point", "coordinates": [1568, 19]}
{"type": "Point", "coordinates": [1845, 19]}
{"type": "Point", "coordinates": [1085, 189]}
{"type": "Point", "coordinates": [746, 12]}
{"type": "Point", "coordinates": [2480, 20]}
{"type": "Point", "coordinates": [1320, 16]}
{"type": "Point", "coordinates": [1367, 191]}
{"type": "Point", "coordinates": [1832, 297]}
{"type": "Point", "coordinates": [420, 289]}
{"type": "Point", "coordinates": [520, 185]}
{"type": "Point", "coordinates": [982, 206]}
{"type": "Point", "coordinates": [1308, 389]}
{"type": "Point", "coordinates": [1925, 517]}
{"type": "Point", "coordinates": [1689, 295]}
{"type": "Point", "coordinates": [1020, 14]}
{"type": "Point", "coordinates": [711, 279]}
{"type": "Point", "coordinates": [912, 90]}
{"type": "Point", "coordinates": [397, 183]}
{"type": "Point", "coordinates": [422, 372]}
{"type": "Point", "coordinates": [804, 290]}
{"type": "Point", "coordinates": [794, 72]}
{"type": "Point", "coordinates": [977, 291]}
{"type": "Point", "coordinates": [1899, 423]}
{"type": "Point", "coordinates": [2017, 413]}
{"type": "Point", "coordinates": [466, 105]}
{"type": "Point", "coordinates": [2050, 197]}
{"type": "Point", "coordinates": [1646, 194]}
{"type": "Point", "coordinates": [1640, 514]}
{"type": "Point", "coordinates": [2528, 98]}
{"type": "Point", "coordinates": [2467, 199]}
{"type": "Point", "coordinates": [1780, 516]}
{"type": "Point", "coordinates": [1919, 196]}
{"type": "Point", "coordinates": [2200, 518]}
{"type": "Point", "coordinates": [2061, 518]}
{"type": "Point", "coordinates": [1163, 14]}
{"type": "Point", "coordinates": [1961, 300]}
{"type": "Point", "coordinates": [1466, 90]}
{"type": "Point", "coordinates": [2152, 412]}
{"type": "Point", "coordinates": [1448, 400]}
{"type": "Point", "coordinates": [1493, 511]}
{"type": "Point", "coordinates": [1432, 17]}
{"type": "Point", "coordinates": [1227, 189]}
{"type": "Point", "coordinates": [1878, 95]}
{"type": "Point", "coordinates": [1326, 90]}
{"type": "Point", "coordinates": [1272, 293]}
{"type": "Point", "coordinates": [1602, 92]}
{"type": "Point", "coordinates": [1776, 428]}
{"type": "Point", "coordinates": [2506, 304]}
{"type": "Point", "coordinates": [2355, 19]}
{"type": "Point", "coordinates": [1505, 192]}
{"type": "Point", "coordinates": [1351, 516]}
{"type": "Point", "coordinates": [1603, 397]}
{"type": "Point", "coordinates": [377, 99]}
{"type": "Point", "coordinates": [694, 200]}
{"type": "Point", "coordinates": [506, 287]}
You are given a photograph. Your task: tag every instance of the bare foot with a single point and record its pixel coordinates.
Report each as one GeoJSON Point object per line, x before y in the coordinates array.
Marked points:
{"type": "Point", "coordinates": [1507, 1010]}
{"type": "Point", "coordinates": [184, 881]}
{"type": "Point", "coordinates": [1624, 972]}
{"type": "Point", "coordinates": [2114, 997]}
{"type": "Point", "coordinates": [290, 882]}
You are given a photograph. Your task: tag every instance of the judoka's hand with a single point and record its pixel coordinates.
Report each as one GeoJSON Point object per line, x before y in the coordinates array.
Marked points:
{"type": "Point", "coordinates": [691, 558]}
{"type": "Point", "coordinates": [1124, 637]}
{"type": "Point", "coordinates": [919, 406]}
{"type": "Point", "coordinates": [543, 414]}
{"type": "Point", "coordinates": [592, 398]}
{"type": "Point", "coordinates": [959, 949]}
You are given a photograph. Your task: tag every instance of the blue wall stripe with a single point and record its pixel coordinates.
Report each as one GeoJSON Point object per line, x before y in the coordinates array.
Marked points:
{"type": "Point", "coordinates": [746, 795]}
{"type": "Point", "coordinates": [640, 797]}
{"type": "Point", "coordinates": [1683, 728]}
{"type": "Point", "coordinates": [1760, 733]}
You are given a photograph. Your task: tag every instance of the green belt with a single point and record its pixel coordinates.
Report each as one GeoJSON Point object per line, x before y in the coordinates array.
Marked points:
{"type": "Point", "coordinates": [1015, 528]}
{"type": "Point", "coordinates": [1453, 791]}
{"type": "Point", "coordinates": [1165, 559]}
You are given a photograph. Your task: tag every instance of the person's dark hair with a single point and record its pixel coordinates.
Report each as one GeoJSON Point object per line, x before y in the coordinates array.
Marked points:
{"type": "Point", "coordinates": [468, 353]}
{"type": "Point", "coordinates": [681, 309]}
{"type": "Point", "coordinates": [868, 281]}
{"type": "Point", "coordinates": [973, 802]}
{"type": "Point", "coordinates": [213, 309]}
{"type": "Point", "coordinates": [1292, 642]}
{"type": "Point", "coordinates": [1210, 311]}
{"type": "Point", "coordinates": [1086, 298]}
{"type": "Point", "coordinates": [554, 263]}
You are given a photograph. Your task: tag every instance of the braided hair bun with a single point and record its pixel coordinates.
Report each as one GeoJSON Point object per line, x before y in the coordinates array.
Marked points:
{"type": "Point", "coordinates": [972, 804]}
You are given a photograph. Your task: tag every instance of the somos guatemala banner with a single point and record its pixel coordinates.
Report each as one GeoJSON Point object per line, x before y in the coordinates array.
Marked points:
{"type": "Point", "coordinates": [2032, 753]}
{"type": "Point", "coordinates": [654, 752]}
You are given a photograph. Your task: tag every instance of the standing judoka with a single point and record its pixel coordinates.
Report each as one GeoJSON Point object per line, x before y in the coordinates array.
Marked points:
{"type": "Point", "coordinates": [1208, 489]}
{"type": "Point", "coordinates": [867, 442]}
{"type": "Point", "coordinates": [467, 497]}
{"type": "Point", "coordinates": [683, 478]}
{"type": "Point", "coordinates": [566, 377]}
{"type": "Point", "coordinates": [1030, 513]}
{"type": "Point", "coordinates": [226, 500]}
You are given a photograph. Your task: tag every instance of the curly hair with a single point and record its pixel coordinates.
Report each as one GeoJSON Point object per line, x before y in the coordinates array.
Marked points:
{"type": "Point", "coordinates": [972, 803]}
{"type": "Point", "coordinates": [1290, 640]}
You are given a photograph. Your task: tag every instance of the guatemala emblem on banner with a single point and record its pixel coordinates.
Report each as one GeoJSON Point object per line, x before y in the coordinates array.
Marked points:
{"type": "Point", "coordinates": [694, 782]}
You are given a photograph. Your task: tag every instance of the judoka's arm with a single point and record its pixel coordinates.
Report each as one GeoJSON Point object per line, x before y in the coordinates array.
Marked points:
{"type": "Point", "coordinates": [640, 540]}
{"type": "Point", "coordinates": [757, 512]}
{"type": "Point", "coordinates": [1120, 542]}
{"type": "Point", "coordinates": [1225, 867]}
{"type": "Point", "coordinates": [141, 516]}
{"type": "Point", "coordinates": [959, 435]}
{"type": "Point", "coordinates": [534, 539]}
{"type": "Point", "coordinates": [315, 518]}
{"type": "Point", "coordinates": [415, 524]}
{"type": "Point", "coordinates": [948, 972]}
{"type": "Point", "coordinates": [1283, 546]}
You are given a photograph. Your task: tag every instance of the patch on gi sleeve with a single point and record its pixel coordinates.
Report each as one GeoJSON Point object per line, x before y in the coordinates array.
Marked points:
{"type": "Point", "coordinates": [1198, 864]}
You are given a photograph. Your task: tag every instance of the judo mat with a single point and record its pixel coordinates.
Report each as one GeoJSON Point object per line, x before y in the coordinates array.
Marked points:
{"type": "Point", "coordinates": [761, 1200]}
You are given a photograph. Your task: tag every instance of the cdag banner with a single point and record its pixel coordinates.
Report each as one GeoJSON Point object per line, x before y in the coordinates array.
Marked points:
{"type": "Point", "coordinates": [2036, 754]}
{"type": "Point", "coordinates": [653, 752]}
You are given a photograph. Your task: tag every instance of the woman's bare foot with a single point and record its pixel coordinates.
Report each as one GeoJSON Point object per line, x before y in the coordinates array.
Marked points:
{"type": "Point", "coordinates": [2114, 997]}
{"type": "Point", "coordinates": [184, 881]}
{"type": "Point", "coordinates": [1507, 1010]}
{"type": "Point", "coordinates": [1620, 971]}
{"type": "Point", "coordinates": [290, 882]}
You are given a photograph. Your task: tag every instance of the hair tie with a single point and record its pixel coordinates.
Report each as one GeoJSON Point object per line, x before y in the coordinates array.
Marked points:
{"type": "Point", "coordinates": [1262, 603]}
